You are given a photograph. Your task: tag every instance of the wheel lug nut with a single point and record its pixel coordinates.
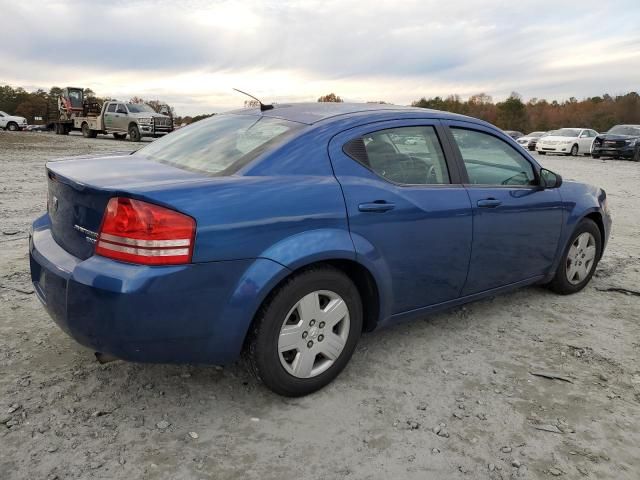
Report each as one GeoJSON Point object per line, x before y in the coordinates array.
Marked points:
{"type": "Point", "coordinates": [312, 323]}
{"type": "Point", "coordinates": [320, 338]}
{"type": "Point", "coordinates": [321, 325]}
{"type": "Point", "coordinates": [304, 334]}
{"type": "Point", "coordinates": [310, 344]}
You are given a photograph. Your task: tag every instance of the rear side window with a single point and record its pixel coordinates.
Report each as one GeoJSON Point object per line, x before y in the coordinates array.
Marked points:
{"type": "Point", "coordinates": [220, 145]}
{"type": "Point", "coordinates": [111, 107]}
{"type": "Point", "coordinates": [405, 155]}
{"type": "Point", "coordinates": [490, 161]}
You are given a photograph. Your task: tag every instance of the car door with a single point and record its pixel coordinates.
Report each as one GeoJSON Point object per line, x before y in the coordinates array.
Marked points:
{"type": "Point", "coordinates": [408, 213]}
{"type": "Point", "coordinates": [121, 119]}
{"type": "Point", "coordinates": [110, 116]}
{"type": "Point", "coordinates": [516, 224]}
{"type": "Point", "coordinates": [584, 141]}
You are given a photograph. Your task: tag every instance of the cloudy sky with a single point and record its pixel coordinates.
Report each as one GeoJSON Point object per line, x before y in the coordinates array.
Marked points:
{"type": "Point", "coordinates": [191, 53]}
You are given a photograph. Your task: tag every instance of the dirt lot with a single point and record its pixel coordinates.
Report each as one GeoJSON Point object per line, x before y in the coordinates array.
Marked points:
{"type": "Point", "coordinates": [464, 374]}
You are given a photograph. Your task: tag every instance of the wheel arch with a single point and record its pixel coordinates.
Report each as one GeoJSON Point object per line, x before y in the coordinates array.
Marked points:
{"type": "Point", "coordinates": [361, 277]}
{"type": "Point", "coordinates": [596, 217]}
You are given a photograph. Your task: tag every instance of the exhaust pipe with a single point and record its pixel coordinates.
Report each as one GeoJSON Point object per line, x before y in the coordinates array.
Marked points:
{"type": "Point", "coordinates": [104, 357]}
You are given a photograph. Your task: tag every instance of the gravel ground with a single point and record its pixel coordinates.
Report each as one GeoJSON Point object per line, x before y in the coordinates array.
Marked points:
{"type": "Point", "coordinates": [451, 396]}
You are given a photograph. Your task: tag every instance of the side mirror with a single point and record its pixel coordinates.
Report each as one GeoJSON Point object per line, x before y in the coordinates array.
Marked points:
{"type": "Point", "coordinates": [548, 179]}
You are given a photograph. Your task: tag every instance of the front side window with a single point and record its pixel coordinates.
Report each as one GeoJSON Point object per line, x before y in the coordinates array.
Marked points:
{"type": "Point", "coordinates": [220, 145]}
{"type": "Point", "coordinates": [490, 161]}
{"type": "Point", "coordinates": [405, 155]}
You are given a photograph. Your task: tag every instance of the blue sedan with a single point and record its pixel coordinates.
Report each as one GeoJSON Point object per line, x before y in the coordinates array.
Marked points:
{"type": "Point", "coordinates": [283, 233]}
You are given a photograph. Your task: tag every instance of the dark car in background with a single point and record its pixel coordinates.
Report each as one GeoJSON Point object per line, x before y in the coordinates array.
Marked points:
{"type": "Point", "coordinates": [529, 141]}
{"type": "Point", "coordinates": [621, 141]}
{"type": "Point", "coordinates": [514, 134]}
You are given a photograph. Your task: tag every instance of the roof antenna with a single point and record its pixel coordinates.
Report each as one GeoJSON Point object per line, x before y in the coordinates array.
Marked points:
{"type": "Point", "coordinates": [263, 107]}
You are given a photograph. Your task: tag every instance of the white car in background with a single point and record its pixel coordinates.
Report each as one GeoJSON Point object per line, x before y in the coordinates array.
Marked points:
{"type": "Point", "coordinates": [567, 141]}
{"type": "Point", "coordinates": [13, 123]}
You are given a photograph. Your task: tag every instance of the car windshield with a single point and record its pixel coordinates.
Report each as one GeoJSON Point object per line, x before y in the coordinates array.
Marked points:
{"type": "Point", "coordinates": [536, 134]}
{"type": "Point", "coordinates": [567, 132]}
{"type": "Point", "coordinates": [139, 108]}
{"type": "Point", "coordinates": [625, 130]}
{"type": "Point", "coordinates": [220, 145]}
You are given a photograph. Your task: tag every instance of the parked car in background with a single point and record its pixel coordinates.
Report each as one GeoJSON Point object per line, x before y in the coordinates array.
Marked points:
{"type": "Point", "coordinates": [530, 140]}
{"type": "Point", "coordinates": [12, 122]}
{"type": "Point", "coordinates": [285, 232]}
{"type": "Point", "coordinates": [567, 141]}
{"type": "Point", "coordinates": [514, 134]}
{"type": "Point", "coordinates": [621, 141]}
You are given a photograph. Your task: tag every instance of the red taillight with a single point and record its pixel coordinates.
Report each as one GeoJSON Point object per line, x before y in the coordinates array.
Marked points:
{"type": "Point", "coordinates": [140, 232]}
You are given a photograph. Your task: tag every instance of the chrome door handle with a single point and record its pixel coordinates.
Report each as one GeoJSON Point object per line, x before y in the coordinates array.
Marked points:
{"type": "Point", "coordinates": [489, 203]}
{"type": "Point", "coordinates": [379, 206]}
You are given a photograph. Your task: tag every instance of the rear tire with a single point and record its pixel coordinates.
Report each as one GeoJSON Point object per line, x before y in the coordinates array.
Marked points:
{"type": "Point", "coordinates": [542, 153]}
{"type": "Point", "coordinates": [86, 131]}
{"type": "Point", "coordinates": [636, 155]}
{"type": "Point", "coordinates": [323, 307]}
{"type": "Point", "coordinates": [134, 133]}
{"type": "Point", "coordinates": [596, 156]}
{"type": "Point", "coordinates": [579, 260]}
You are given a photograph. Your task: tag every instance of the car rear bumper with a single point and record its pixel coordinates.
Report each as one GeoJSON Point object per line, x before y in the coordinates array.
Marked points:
{"type": "Point", "coordinates": [197, 313]}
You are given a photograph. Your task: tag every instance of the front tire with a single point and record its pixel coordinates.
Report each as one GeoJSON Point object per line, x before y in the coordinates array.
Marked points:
{"type": "Point", "coordinates": [12, 126]}
{"type": "Point", "coordinates": [306, 332]}
{"type": "Point", "coordinates": [134, 133]}
{"type": "Point", "coordinates": [579, 260]}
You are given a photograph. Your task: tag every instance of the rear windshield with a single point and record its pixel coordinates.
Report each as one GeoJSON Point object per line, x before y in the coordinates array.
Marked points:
{"type": "Point", "coordinates": [220, 145]}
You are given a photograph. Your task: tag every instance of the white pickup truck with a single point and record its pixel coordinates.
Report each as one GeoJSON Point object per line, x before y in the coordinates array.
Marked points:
{"type": "Point", "coordinates": [11, 122]}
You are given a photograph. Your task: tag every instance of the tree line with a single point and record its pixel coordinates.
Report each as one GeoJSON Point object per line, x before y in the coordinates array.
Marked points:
{"type": "Point", "coordinates": [599, 112]}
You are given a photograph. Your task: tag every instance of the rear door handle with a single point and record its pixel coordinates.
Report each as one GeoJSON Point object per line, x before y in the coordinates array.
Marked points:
{"type": "Point", "coordinates": [379, 206]}
{"type": "Point", "coordinates": [489, 203]}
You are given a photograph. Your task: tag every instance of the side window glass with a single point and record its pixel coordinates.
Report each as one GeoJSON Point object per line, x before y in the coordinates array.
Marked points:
{"type": "Point", "coordinates": [111, 108]}
{"type": "Point", "coordinates": [490, 161]}
{"type": "Point", "coordinates": [405, 155]}
{"type": "Point", "coordinates": [121, 109]}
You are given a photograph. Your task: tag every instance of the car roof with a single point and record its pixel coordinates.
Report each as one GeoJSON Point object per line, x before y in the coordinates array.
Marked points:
{"type": "Point", "coordinates": [314, 112]}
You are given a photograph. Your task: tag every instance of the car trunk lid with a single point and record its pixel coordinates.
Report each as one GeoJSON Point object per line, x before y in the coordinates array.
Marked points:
{"type": "Point", "coordinates": [79, 190]}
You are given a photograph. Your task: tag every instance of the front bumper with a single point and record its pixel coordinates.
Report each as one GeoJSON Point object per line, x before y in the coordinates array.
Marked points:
{"type": "Point", "coordinates": [154, 131]}
{"type": "Point", "coordinates": [174, 314]}
{"type": "Point", "coordinates": [554, 148]}
{"type": "Point", "coordinates": [624, 152]}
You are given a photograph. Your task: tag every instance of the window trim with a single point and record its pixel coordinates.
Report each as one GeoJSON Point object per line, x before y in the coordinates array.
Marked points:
{"type": "Point", "coordinates": [450, 124]}
{"type": "Point", "coordinates": [455, 179]}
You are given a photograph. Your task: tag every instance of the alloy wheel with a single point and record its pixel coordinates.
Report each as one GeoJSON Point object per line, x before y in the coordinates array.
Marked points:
{"type": "Point", "coordinates": [581, 258]}
{"type": "Point", "coordinates": [313, 334]}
